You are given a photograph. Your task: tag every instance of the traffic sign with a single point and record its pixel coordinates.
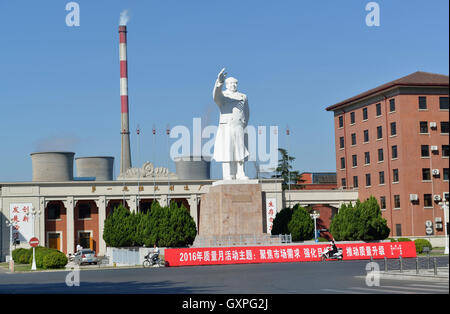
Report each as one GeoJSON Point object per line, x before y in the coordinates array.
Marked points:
{"type": "Point", "coordinates": [34, 242]}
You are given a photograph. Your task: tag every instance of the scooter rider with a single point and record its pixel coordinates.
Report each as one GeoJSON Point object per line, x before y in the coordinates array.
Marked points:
{"type": "Point", "coordinates": [334, 248]}
{"type": "Point", "coordinates": [155, 253]}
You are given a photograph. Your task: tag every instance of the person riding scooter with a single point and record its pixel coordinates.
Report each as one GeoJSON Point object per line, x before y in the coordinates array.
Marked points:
{"type": "Point", "coordinates": [155, 254]}
{"type": "Point", "coordinates": [333, 249]}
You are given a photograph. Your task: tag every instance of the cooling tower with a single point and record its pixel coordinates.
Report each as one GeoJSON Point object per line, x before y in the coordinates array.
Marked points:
{"type": "Point", "coordinates": [52, 166]}
{"type": "Point", "coordinates": [193, 168]}
{"type": "Point", "coordinates": [100, 167]}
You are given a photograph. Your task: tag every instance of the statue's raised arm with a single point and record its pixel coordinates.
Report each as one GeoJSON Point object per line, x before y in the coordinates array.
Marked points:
{"type": "Point", "coordinates": [217, 92]}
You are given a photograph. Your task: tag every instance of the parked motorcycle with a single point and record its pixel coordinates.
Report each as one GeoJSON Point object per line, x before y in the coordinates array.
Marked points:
{"type": "Point", "coordinates": [333, 256]}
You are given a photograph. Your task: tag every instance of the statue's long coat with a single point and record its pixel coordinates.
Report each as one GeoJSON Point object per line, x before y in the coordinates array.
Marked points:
{"type": "Point", "coordinates": [230, 137]}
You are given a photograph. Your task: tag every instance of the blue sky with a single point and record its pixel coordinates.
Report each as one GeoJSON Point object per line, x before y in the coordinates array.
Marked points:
{"type": "Point", "coordinates": [60, 84]}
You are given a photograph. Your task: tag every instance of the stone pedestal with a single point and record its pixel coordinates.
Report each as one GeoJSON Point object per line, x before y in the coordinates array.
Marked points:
{"type": "Point", "coordinates": [231, 209]}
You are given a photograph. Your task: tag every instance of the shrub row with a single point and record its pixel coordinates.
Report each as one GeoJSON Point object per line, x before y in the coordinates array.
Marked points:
{"type": "Point", "coordinates": [170, 226]}
{"type": "Point", "coordinates": [419, 243]}
{"type": "Point", "coordinates": [45, 257]}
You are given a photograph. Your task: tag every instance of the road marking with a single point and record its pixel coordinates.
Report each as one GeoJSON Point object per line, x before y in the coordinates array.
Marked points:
{"type": "Point", "coordinates": [444, 286]}
{"type": "Point", "coordinates": [420, 289]}
{"type": "Point", "coordinates": [375, 290]}
{"type": "Point", "coordinates": [344, 291]}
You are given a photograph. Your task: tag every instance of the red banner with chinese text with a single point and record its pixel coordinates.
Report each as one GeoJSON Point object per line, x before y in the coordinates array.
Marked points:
{"type": "Point", "coordinates": [286, 253]}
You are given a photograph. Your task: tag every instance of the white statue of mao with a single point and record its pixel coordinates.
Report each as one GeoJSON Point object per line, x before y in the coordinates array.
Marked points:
{"type": "Point", "coordinates": [229, 147]}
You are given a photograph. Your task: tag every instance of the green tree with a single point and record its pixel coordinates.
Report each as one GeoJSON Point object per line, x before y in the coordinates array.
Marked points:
{"type": "Point", "coordinates": [360, 222]}
{"type": "Point", "coordinates": [372, 225]}
{"type": "Point", "coordinates": [120, 228]}
{"type": "Point", "coordinates": [301, 225]}
{"type": "Point", "coordinates": [284, 171]}
{"type": "Point", "coordinates": [281, 221]}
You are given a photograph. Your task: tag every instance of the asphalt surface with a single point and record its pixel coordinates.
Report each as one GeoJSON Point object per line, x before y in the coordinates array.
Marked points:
{"type": "Point", "coordinates": [347, 277]}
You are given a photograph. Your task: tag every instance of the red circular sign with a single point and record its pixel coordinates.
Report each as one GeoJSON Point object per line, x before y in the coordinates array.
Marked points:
{"type": "Point", "coordinates": [34, 242]}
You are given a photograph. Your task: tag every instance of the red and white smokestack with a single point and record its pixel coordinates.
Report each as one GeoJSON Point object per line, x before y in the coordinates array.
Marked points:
{"type": "Point", "coordinates": [125, 161]}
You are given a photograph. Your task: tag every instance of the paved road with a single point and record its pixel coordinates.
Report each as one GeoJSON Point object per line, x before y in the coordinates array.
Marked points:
{"type": "Point", "coordinates": [282, 278]}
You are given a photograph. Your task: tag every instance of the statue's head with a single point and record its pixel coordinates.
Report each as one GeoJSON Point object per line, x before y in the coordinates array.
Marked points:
{"type": "Point", "coordinates": [231, 84]}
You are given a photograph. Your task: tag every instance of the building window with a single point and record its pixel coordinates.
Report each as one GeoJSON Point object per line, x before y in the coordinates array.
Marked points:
{"type": "Point", "coordinates": [354, 160]}
{"type": "Point", "coordinates": [397, 201]}
{"type": "Point", "coordinates": [446, 174]}
{"type": "Point", "coordinates": [395, 175]}
{"type": "Point", "coordinates": [443, 103]}
{"type": "Point", "coordinates": [341, 121]}
{"type": "Point", "coordinates": [344, 183]}
{"type": "Point", "coordinates": [425, 151]}
{"type": "Point", "coordinates": [355, 181]}
{"type": "Point", "coordinates": [394, 152]}
{"type": "Point", "coordinates": [380, 154]}
{"type": "Point", "coordinates": [84, 211]}
{"type": "Point", "coordinates": [365, 114]}
{"type": "Point", "coordinates": [381, 176]}
{"type": "Point", "coordinates": [341, 142]}
{"type": "Point", "coordinates": [444, 127]}
{"type": "Point", "coordinates": [368, 181]}
{"type": "Point", "coordinates": [426, 174]}
{"type": "Point", "coordinates": [379, 132]}
{"type": "Point", "coordinates": [352, 117]}
{"type": "Point", "coordinates": [342, 163]}
{"type": "Point", "coordinates": [53, 211]}
{"type": "Point", "coordinates": [366, 158]}
{"type": "Point", "coordinates": [353, 138]}
{"type": "Point", "coordinates": [398, 230]}
{"type": "Point", "coordinates": [445, 150]}
{"type": "Point", "coordinates": [428, 200]}
{"type": "Point", "coordinates": [378, 109]}
{"type": "Point", "coordinates": [366, 136]}
{"type": "Point", "coordinates": [423, 127]}
{"type": "Point", "coordinates": [422, 103]}
{"type": "Point", "coordinates": [393, 128]}
{"type": "Point", "coordinates": [383, 202]}
{"type": "Point", "coordinates": [392, 105]}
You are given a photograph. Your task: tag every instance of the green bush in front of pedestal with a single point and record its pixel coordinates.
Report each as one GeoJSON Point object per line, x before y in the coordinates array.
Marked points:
{"type": "Point", "coordinates": [301, 226]}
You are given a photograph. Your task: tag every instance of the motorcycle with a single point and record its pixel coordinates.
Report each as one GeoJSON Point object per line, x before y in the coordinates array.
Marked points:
{"type": "Point", "coordinates": [150, 260]}
{"type": "Point", "coordinates": [335, 256]}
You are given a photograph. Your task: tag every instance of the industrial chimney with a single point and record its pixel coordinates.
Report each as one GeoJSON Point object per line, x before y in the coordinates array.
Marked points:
{"type": "Point", "coordinates": [125, 158]}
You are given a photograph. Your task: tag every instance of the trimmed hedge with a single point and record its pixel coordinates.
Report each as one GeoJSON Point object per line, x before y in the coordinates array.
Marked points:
{"type": "Point", "coordinates": [54, 259]}
{"type": "Point", "coordinates": [421, 243]}
{"type": "Point", "coordinates": [25, 256]}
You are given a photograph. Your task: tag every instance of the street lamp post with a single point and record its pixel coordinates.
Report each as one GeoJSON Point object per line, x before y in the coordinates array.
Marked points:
{"type": "Point", "coordinates": [34, 213]}
{"type": "Point", "coordinates": [10, 224]}
{"type": "Point", "coordinates": [444, 206]}
{"type": "Point", "coordinates": [315, 215]}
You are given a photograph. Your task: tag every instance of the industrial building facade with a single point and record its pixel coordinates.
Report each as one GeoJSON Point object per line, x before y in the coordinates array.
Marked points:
{"type": "Point", "coordinates": [392, 142]}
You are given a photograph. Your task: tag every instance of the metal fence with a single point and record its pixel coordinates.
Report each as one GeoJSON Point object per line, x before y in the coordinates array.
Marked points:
{"type": "Point", "coordinates": [418, 264]}
{"type": "Point", "coordinates": [241, 240]}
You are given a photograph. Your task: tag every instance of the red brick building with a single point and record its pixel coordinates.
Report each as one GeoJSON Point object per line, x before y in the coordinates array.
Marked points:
{"type": "Point", "coordinates": [318, 181]}
{"type": "Point", "coordinates": [392, 142]}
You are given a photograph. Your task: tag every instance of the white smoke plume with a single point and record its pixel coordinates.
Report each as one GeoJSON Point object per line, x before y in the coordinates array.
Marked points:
{"type": "Point", "coordinates": [124, 18]}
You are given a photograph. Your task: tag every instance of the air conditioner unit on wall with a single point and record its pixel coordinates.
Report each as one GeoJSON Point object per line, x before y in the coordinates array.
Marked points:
{"type": "Point", "coordinates": [438, 219]}
{"type": "Point", "coordinates": [433, 125]}
{"type": "Point", "coordinates": [437, 197]}
{"type": "Point", "coordinates": [445, 196]}
{"type": "Point", "coordinates": [435, 172]}
{"type": "Point", "coordinates": [413, 197]}
{"type": "Point", "coordinates": [434, 148]}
